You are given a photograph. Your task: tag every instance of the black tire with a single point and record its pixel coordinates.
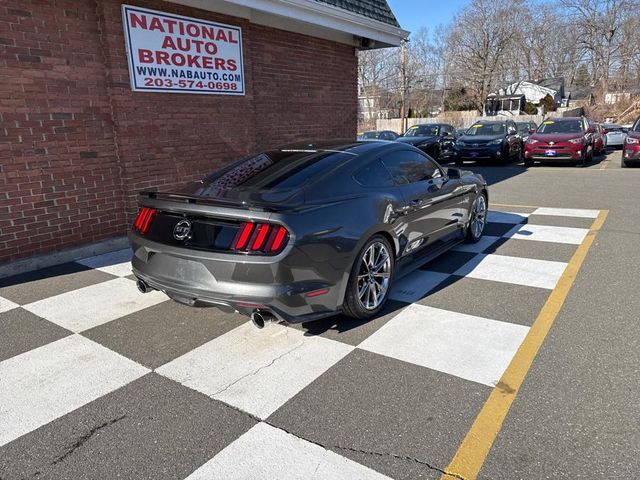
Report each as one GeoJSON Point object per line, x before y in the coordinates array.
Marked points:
{"type": "Point", "coordinates": [623, 164]}
{"type": "Point", "coordinates": [459, 163]}
{"type": "Point", "coordinates": [353, 306]}
{"type": "Point", "coordinates": [528, 162]}
{"type": "Point", "coordinates": [469, 235]}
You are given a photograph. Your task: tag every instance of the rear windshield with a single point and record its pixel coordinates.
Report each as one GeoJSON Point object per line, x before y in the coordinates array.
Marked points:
{"type": "Point", "coordinates": [422, 131]}
{"type": "Point", "coordinates": [274, 170]}
{"type": "Point", "coordinates": [565, 126]}
{"type": "Point", "coordinates": [487, 129]}
{"type": "Point", "coordinates": [636, 126]}
{"type": "Point", "coordinates": [523, 127]}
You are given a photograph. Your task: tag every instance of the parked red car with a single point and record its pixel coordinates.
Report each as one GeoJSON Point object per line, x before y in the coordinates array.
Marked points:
{"type": "Point", "coordinates": [599, 139]}
{"type": "Point", "coordinates": [631, 152]}
{"type": "Point", "coordinates": [561, 139]}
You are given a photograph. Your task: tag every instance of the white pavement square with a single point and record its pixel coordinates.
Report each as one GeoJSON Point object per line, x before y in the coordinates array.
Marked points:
{"type": "Point", "coordinates": [480, 246]}
{"type": "Point", "coordinates": [517, 270]}
{"type": "Point", "coordinates": [469, 347]}
{"type": "Point", "coordinates": [6, 305]}
{"type": "Point", "coordinates": [547, 233]}
{"type": "Point", "coordinates": [116, 263]}
{"type": "Point", "coordinates": [43, 384]}
{"type": "Point", "coordinates": [506, 217]}
{"type": "Point", "coordinates": [94, 305]}
{"type": "Point", "coordinates": [416, 285]}
{"type": "Point", "coordinates": [566, 212]}
{"type": "Point", "coordinates": [275, 453]}
{"type": "Point", "coordinates": [256, 370]}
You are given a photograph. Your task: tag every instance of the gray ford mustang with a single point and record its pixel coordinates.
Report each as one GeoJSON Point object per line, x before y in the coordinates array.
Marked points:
{"type": "Point", "coordinates": [304, 232]}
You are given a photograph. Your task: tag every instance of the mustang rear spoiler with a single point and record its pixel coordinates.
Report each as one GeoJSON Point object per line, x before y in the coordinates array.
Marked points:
{"type": "Point", "coordinates": [210, 201]}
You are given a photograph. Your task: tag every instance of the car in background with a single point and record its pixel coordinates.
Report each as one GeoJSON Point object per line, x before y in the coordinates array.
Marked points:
{"type": "Point", "coordinates": [306, 231]}
{"type": "Point", "coordinates": [489, 140]}
{"type": "Point", "coordinates": [561, 139]}
{"type": "Point", "coordinates": [631, 149]}
{"type": "Point", "coordinates": [615, 134]}
{"type": "Point", "coordinates": [526, 128]}
{"type": "Point", "coordinates": [379, 135]}
{"type": "Point", "coordinates": [434, 139]}
{"type": "Point", "coordinates": [599, 139]}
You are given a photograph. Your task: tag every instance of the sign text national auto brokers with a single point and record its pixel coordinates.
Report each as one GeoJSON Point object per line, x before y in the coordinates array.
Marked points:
{"type": "Point", "coordinates": [171, 53]}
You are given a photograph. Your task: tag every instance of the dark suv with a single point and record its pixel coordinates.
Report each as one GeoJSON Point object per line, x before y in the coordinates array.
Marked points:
{"type": "Point", "coordinates": [492, 140]}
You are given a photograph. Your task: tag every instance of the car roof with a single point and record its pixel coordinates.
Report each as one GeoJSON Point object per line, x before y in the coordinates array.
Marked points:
{"type": "Point", "coordinates": [562, 119]}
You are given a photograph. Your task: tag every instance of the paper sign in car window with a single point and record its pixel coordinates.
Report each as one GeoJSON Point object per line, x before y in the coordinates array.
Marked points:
{"type": "Point", "coordinates": [548, 122]}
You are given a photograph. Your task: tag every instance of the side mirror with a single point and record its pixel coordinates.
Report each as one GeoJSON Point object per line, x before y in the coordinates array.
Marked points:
{"type": "Point", "coordinates": [454, 173]}
{"type": "Point", "coordinates": [532, 130]}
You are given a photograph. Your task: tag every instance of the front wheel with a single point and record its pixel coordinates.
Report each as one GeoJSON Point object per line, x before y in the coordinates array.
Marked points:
{"type": "Point", "coordinates": [370, 279]}
{"type": "Point", "coordinates": [477, 219]}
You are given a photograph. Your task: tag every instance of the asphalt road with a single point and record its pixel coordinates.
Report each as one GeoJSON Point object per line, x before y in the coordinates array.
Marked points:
{"type": "Point", "coordinates": [578, 412]}
{"type": "Point", "coordinates": [99, 381]}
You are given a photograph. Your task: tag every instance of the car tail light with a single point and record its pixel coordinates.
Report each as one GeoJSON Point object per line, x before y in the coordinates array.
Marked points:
{"type": "Point", "coordinates": [260, 238]}
{"type": "Point", "coordinates": [143, 220]}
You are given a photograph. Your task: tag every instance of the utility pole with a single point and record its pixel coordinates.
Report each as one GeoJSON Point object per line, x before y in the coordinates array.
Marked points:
{"type": "Point", "coordinates": [403, 75]}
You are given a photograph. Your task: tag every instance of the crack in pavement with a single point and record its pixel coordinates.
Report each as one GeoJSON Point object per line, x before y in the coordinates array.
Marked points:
{"type": "Point", "coordinates": [368, 452]}
{"type": "Point", "coordinates": [400, 457]}
{"type": "Point", "coordinates": [85, 438]}
{"type": "Point", "coordinates": [259, 369]}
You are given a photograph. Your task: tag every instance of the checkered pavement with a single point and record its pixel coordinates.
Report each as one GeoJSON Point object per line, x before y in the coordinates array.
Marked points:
{"type": "Point", "coordinates": [100, 381]}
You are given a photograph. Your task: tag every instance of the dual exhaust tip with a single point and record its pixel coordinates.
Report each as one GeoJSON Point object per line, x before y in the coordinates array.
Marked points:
{"type": "Point", "coordinates": [260, 319]}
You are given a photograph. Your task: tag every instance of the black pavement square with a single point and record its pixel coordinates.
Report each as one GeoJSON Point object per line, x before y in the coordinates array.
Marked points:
{"type": "Point", "coordinates": [152, 428]}
{"type": "Point", "coordinates": [498, 229]}
{"type": "Point", "coordinates": [448, 262]}
{"type": "Point", "coordinates": [350, 330]}
{"type": "Point", "coordinates": [506, 302]}
{"type": "Point", "coordinates": [382, 413]}
{"type": "Point", "coordinates": [163, 332]}
{"type": "Point", "coordinates": [513, 247]}
{"type": "Point", "coordinates": [33, 286]}
{"type": "Point", "coordinates": [560, 221]}
{"type": "Point", "coordinates": [21, 331]}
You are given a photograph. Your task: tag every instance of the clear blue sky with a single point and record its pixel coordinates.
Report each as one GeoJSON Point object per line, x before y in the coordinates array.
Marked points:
{"type": "Point", "coordinates": [413, 14]}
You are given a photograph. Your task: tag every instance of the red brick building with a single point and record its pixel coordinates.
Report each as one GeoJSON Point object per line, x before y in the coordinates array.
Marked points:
{"type": "Point", "coordinates": [77, 142]}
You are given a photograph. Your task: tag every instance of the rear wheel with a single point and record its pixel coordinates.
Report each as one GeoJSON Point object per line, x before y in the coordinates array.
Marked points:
{"type": "Point", "coordinates": [370, 279]}
{"type": "Point", "coordinates": [477, 219]}
{"type": "Point", "coordinates": [528, 162]}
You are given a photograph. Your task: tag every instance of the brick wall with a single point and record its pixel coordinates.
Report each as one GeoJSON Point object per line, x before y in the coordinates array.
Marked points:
{"type": "Point", "coordinates": [76, 143]}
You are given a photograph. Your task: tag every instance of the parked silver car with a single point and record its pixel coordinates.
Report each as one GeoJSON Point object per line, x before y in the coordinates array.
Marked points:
{"type": "Point", "coordinates": [615, 134]}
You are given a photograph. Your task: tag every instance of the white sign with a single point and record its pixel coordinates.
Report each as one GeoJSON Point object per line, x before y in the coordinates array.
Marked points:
{"type": "Point", "coordinates": [172, 53]}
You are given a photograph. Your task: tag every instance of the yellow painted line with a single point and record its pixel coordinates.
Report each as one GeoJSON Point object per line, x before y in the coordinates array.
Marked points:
{"type": "Point", "coordinates": [605, 164]}
{"type": "Point", "coordinates": [475, 447]}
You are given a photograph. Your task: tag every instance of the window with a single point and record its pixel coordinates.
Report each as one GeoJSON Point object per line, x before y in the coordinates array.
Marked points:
{"type": "Point", "coordinates": [422, 131]}
{"type": "Point", "coordinates": [410, 167]}
{"type": "Point", "coordinates": [561, 126]}
{"type": "Point", "coordinates": [487, 129]}
{"type": "Point", "coordinates": [374, 175]}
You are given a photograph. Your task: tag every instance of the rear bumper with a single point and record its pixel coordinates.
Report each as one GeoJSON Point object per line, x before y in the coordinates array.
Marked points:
{"type": "Point", "coordinates": [235, 283]}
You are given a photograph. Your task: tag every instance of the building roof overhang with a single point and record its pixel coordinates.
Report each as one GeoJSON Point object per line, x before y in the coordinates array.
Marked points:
{"type": "Point", "coordinates": [309, 17]}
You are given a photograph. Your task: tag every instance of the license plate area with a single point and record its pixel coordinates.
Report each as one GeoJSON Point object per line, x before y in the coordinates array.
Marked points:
{"type": "Point", "coordinates": [550, 153]}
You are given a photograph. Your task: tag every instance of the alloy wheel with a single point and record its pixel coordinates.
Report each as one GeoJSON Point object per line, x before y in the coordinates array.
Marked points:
{"type": "Point", "coordinates": [373, 276]}
{"type": "Point", "coordinates": [478, 216]}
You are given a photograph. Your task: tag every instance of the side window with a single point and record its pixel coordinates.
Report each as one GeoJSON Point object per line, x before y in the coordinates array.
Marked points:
{"type": "Point", "coordinates": [374, 175]}
{"type": "Point", "coordinates": [409, 167]}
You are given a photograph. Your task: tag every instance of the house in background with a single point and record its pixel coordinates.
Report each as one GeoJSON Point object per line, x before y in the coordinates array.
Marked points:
{"type": "Point", "coordinates": [512, 98]}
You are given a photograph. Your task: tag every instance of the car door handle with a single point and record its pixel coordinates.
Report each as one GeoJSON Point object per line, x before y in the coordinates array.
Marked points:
{"type": "Point", "coordinates": [417, 202]}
